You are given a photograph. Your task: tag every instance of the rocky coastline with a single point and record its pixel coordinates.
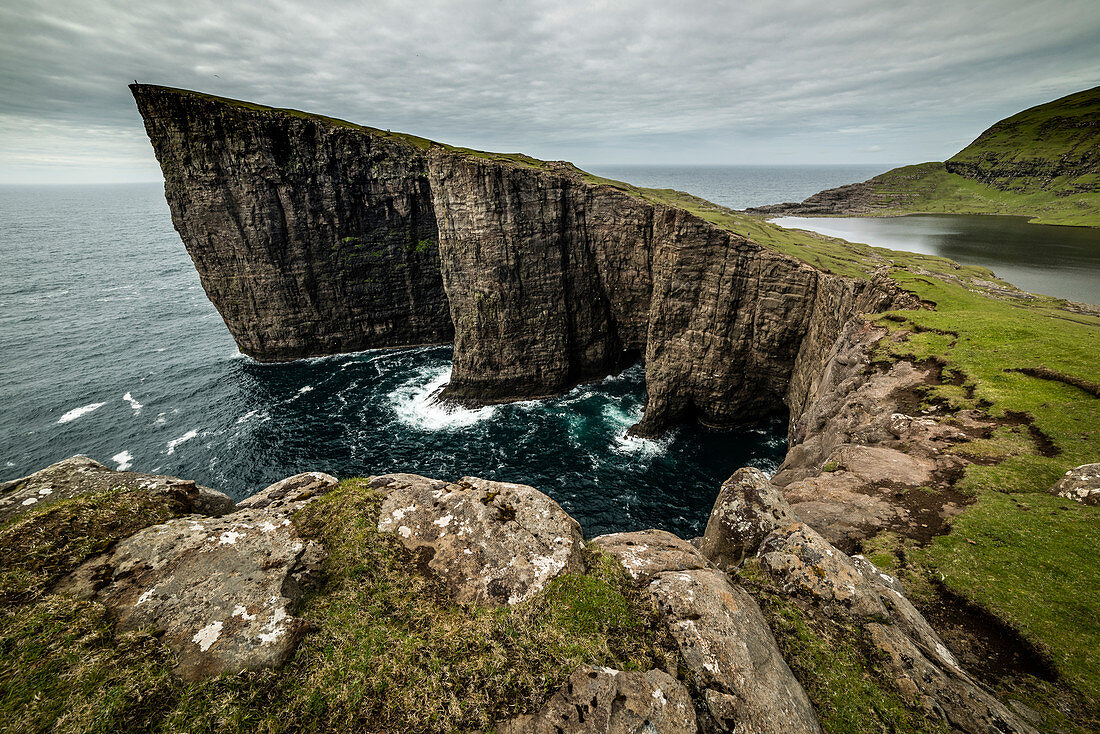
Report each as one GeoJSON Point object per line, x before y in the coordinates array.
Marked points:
{"type": "Point", "coordinates": [408, 603]}
{"type": "Point", "coordinates": [225, 587]}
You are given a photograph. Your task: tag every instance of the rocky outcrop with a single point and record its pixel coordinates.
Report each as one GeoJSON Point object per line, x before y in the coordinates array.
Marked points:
{"type": "Point", "coordinates": [856, 455]}
{"type": "Point", "coordinates": [487, 542]}
{"type": "Point", "coordinates": [223, 594]}
{"type": "Point", "coordinates": [80, 475]}
{"type": "Point", "coordinates": [315, 236]}
{"type": "Point", "coordinates": [1080, 484]}
{"type": "Point", "coordinates": [747, 509]}
{"type": "Point", "coordinates": [733, 662]}
{"type": "Point", "coordinates": [222, 590]}
{"type": "Point", "coordinates": [290, 492]}
{"type": "Point", "coordinates": [606, 701]}
{"type": "Point", "coordinates": [806, 567]}
{"type": "Point", "coordinates": [738, 677]}
{"type": "Point", "coordinates": [646, 553]}
{"type": "Point", "coordinates": [311, 236]}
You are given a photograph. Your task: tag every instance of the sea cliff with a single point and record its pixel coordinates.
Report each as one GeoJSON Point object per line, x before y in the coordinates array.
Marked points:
{"type": "Point", "coordinates": [314, 236]}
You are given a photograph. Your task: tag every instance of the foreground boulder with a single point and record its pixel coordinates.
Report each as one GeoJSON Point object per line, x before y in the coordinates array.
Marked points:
{"type": "Point", "coordinates": [1081, 484]}
{"type": "Point", "coordinates": [81, 475]}
{"type": "Point", "coordinates": [733, 662]}
{"type": "Point", "coordinates": [222, 590]}
{"type": "Point", "coordinates": [290, 492]}
{"type": "Point", "coordinates": [487, 542]}
{"type": "Point", "coordinates": [611, 702]}
{"type": "Point", "coordinates": [747, 509]}
{"type": "Point", "coordinates": [645, 553]}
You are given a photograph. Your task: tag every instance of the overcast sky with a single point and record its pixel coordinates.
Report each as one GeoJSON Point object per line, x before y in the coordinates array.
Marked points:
{"type": "Point", "coordinates": [845, 81]}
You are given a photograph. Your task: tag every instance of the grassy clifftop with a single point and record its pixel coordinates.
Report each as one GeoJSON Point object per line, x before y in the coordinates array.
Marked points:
{"type": "Point", "coordinates": [1043, 163]}
{"type": "Point", "coordinates": [1052, 147]}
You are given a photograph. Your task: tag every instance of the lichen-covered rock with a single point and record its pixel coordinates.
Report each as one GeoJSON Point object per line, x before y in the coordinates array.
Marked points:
{"type": "Point", "coordinates": [292, 491]}
{"type": "Point", "coordinates": [747, 509]}
{"type": "Point", "coordinates": [81, 475]}
{"type": "Point", "coordinates": [943, 692]}
{"type": "Point", "coordinates": [730, 655]}
{"type": "Point", "coordinates": [607, 701]}
{"type": "Point", "coordinates": [645, 553]}
{"type": "Point", "coordinates": [222, 590]}
{"type": "Point", "coordinates": [802, 562]}
{"type": "Point", "coordinates": [1081, 484]}
{"type": "Point", "coordinates": [488, 542]}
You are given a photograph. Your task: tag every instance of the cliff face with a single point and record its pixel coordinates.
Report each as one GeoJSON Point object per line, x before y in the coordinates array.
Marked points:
{"type": "Point", "coordinates": [314, 236]}
{"type": "Point", "coordinates": [553, 281]}
{"type": "Point", "coordinates": [548, 278]}
{"type": "Point", "coordinates": [310, 237]}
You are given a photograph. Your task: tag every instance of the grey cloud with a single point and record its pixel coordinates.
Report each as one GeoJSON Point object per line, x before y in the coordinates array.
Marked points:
{"type": "Point", "coordinates": [612, 81]}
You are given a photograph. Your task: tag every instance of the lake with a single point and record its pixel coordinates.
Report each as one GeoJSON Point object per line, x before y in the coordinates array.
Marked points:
{"type": "Point", "coordinates": [1041, 258]}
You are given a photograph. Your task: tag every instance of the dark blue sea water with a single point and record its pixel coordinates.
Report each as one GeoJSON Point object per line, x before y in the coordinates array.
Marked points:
{"type": "Point", "coordinates": [111, 349]}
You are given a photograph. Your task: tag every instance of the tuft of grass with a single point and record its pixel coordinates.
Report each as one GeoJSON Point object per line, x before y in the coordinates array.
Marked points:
{"type": "Point", "coordinates": [39, 547]}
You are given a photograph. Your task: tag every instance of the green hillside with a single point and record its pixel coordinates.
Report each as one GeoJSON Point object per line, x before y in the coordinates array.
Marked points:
{"type": "Point", "coordinates": [1042, 163]}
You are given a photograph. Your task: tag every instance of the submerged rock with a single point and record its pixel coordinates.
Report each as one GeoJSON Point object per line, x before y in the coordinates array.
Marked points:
{"type": "Point", "coordinates": [80, 475]}
{"type": "Point", "coordinates": [611, 702]}
{"type": "Point", "coordinates": [488, 542]}
{"type": "Point", "coordinates": [1081, 484]}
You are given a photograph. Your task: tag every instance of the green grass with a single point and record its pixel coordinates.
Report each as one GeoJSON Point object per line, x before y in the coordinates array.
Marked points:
{"type": "Point", "coordinates": [929, 188]}
{"type": "Point", "coordinates": [982, 341]}
{"type": "Point", "coordinates": [387, 650]}
{"type": "Point", "coordinates": [1058, 137]}
{"type": "Point", "coordinates": [1034, 560]}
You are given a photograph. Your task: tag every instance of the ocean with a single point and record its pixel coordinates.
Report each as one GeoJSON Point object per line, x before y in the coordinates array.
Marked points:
{"type": "Point", "coordinates": [111, 349]}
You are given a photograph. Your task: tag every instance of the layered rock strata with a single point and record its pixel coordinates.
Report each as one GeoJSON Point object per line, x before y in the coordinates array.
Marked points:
{"type": "Point", "coordinates": [314, 236]}
{"type": "Point", "coordinates": [311, 236]}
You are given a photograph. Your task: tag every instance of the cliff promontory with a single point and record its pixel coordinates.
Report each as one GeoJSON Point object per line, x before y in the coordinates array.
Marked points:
{"type": "Point", "coordinates": [314, 236]}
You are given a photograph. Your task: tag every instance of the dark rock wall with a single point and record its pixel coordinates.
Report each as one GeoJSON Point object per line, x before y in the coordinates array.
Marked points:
{"type": "Point", "coordinates": [553, 281]}
{"type": "Point", "coordinates": [548, 278]}
{"type": "Point", "coordinates": [314, 236]}
{"type": "Point", "coordinates": [310, 238]}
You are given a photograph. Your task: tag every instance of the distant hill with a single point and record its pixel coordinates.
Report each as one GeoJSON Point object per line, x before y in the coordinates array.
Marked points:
{"type": "Point", "coordinates": [1043, 162]}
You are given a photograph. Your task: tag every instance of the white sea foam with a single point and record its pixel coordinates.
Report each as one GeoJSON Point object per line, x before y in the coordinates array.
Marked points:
{"type": "Point", "coordinates": [416, 405]}
{"type": "Point", "coordinates": [620, 421]}
{"type": "Point", "coordinates": [133, 403]}
{"type": "Point", "coordinates": [177, 441]}
{"type": "Point", "coordinates": [75, 413]}
{"type": "Point", "coordinates": [125, 460]}
{"type": "Point", "coordinates": [247, 415]}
